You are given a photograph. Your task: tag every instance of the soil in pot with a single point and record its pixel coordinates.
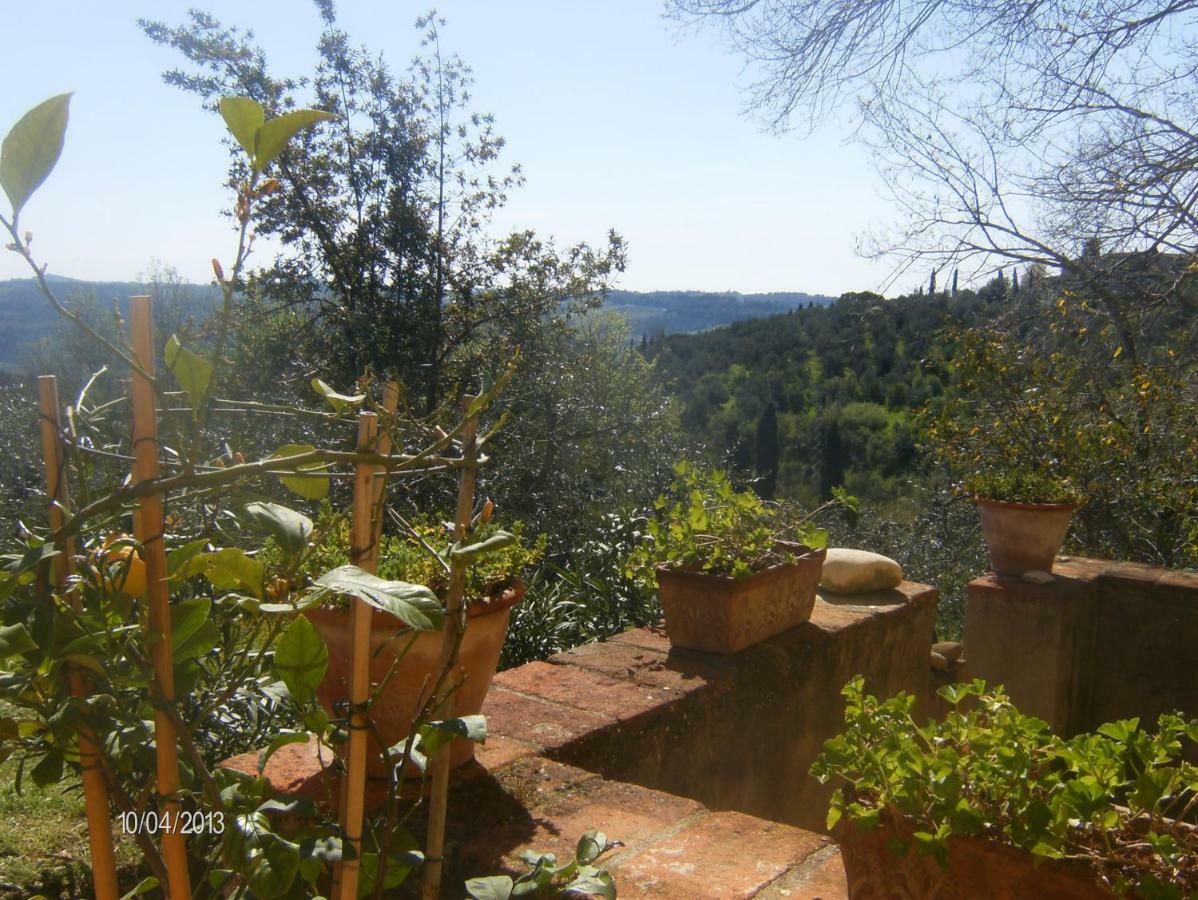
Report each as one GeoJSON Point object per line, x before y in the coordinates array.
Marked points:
{"type": "Point", "coordinates": [1023, 537]}
{"type": "Point", "coordinates": [407, 689]}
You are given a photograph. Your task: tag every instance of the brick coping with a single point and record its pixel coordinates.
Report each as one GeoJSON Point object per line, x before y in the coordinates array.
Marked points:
{"type": "Point", "coordinates": [522, 792]}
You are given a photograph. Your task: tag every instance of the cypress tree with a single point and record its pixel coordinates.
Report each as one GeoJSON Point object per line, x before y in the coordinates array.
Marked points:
{"type": "Point", "coordinates": [768, 454]}
{"type": "Point", "coordinates": [954, 282]}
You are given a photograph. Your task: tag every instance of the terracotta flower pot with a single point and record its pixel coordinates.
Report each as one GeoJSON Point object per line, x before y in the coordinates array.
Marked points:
{"type": "Point", "coordinates": [978, 869]}
{"type": "Point", "coordinates": [1023, 537]}
{"type": "Point", "coordinates": [393, 711]}
{"type": "Point", "coordinates": [723, 615]}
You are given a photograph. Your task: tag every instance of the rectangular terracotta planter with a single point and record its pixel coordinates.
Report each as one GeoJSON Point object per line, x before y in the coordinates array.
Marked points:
{"type": "Point", "coordinates": [720, 614]}
{"type": "Point", "coordinates": [978, 869]}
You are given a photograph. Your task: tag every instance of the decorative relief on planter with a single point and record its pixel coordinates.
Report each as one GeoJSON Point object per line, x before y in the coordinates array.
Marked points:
{"type": "Point", "coordinates": [723, 615]}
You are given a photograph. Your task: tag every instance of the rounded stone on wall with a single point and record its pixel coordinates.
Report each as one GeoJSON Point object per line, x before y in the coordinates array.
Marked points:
{"type": "Point", "coordinates": [858, 572]}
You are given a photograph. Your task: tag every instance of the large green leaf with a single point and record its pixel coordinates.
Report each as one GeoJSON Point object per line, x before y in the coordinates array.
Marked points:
{"type": "Point", "coordinates": [342, 403]}
{"type": "Point", "coordinates": [274, 135]}
{"type": "Point", "coordinates": [32, 148]}
{"type": "Point", "coordinates": [310, 488]}
{"type": "Point", "coordinates": [48, 770]}
{"type": "Point", "coordinates": [199, 644]}
{"type": "Point", "coordinates": [497, 541]}
{"type": "Point", "coordinates": [592, 884]}
{"type": "Point", "coordinates": [15, 639]}
{"type": "Point", "coordinates": [290, 529]}
{"type": "Point", "coordinates": [435, 735]}
{"type": "Point", "coordinates": [186, 618]}
{"type": "Point", "coordinates": [191, 371]}
{"type": "Point", "coordinates": [229, 569]}
{"type": "Point", "coordinates": [301, 658]}
{"type": "Point", "coordinates": [412, 604]}
{"type": "Point", "coordinates": [399, 866]}
{"type": "Point", "coordinates": [590, 847]}
{"type": "Point", "coordinates": [268, 861]}
{"type": "Point", "coordinates": [181, 555]}
{"type": "Point", "coordinates": [493, 887]}
{"type": "Point", "coordinates": [243, 117]}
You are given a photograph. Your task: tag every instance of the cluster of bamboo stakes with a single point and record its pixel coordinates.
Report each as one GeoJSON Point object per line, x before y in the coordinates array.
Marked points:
{"type": "Point", "coordinates": [369, 488]}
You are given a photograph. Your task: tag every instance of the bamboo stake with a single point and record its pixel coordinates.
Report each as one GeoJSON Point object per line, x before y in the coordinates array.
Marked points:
{"type": "Point", "coordinates": [363, 553]}
{"type": "Point", "coordinates": [95, 791]}
{"type": "Point", "coordinates": [390, 405]}
{"type": "Point", "coordinates": [148, 528]}
{"type": "Point", "coordinates": [451, 640]}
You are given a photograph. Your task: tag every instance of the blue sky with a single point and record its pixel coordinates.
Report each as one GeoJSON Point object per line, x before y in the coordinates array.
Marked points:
{"type": "Point", "coordinates": [619, 119]}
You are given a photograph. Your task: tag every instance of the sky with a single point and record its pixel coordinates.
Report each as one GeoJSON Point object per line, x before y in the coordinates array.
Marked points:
{"type": "Point", "coordinates": [619, 118]}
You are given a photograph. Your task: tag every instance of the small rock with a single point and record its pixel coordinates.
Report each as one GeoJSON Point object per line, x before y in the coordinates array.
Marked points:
{"type": "Point", "coordinates": [950, 650]}
{"type": "Point", "coordinates": [859, 572]}
{"type": "Point", "coordinates": [939, 662]}
{"type": "Point", "coordinates": [1036, 576]}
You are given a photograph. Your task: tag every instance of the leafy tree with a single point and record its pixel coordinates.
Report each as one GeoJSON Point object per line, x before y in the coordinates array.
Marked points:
{"type": "Point", "coordinates": [1002, 129]}
{"type": "Point", "coordinates": [383, 214]}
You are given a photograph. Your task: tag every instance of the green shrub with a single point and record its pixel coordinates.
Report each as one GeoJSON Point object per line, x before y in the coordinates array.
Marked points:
{"type": "Point", "coordinates": [703, 524]}
{"type": "Point", "coordinates": [1117, 798]}
{"type": "Point", "coordinates": [1021, 485]}
{"type": "Point", "coordinates": [418, 556]}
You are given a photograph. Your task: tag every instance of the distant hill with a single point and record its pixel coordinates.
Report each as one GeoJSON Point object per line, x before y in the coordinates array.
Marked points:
{"type": "Point", "coordinates": [655, 313]}
{"type": "Point", "coordinates": [26, 317]}
{"type": "Point", "coordinates": [835, 386]}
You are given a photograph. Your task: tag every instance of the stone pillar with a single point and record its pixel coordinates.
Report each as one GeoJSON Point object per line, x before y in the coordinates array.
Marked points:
{"type": "Point", "coordinates": [1102, 641]}
{"type": "Point", "coordinates": [1026, 637]}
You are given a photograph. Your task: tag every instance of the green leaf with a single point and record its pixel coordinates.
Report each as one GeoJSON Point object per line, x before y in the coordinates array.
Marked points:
{"type": "Point", "coordinates": [186, 618]}
{"type": "Point", "coordinates": [590, 847]}
{"type": "Point", "coordinates": [48, 770]}
{"type": "Point", "coordinates": [243, 117]}
{"type": "Point", "coordinates": [1120, 731]}
{"type": "Point", "coordinates": [229, 569]}
{"type": "Point", "coordinates": [143, 887]}
{"type": "Point", "coordinates": [279, 740]}
{"type": "Point", "coordinates": [1047, 851]}
{"type": "Point", "coordinates": [435, 735]}
{"type": "Point", "coordinates": [191, 371]}
{"type": "Point", "coordinates": [399, 866]}
{"type": "Point", "coordinates": [413, 604]}
{"type": "Point", "coordinates": [813, 537]}
{"type": "Point", "coordinates": [15, 639]}
{"type": "Point", "coordinates": [199, 643]}
{"type": "Point", "coordinates": [309, 488]}
{"type": "Point", "coordinates": [180, 555]}
{"type": "Point", "coordinates": [274, 135]}
{"type": "Point", "coordinates": [493, 887]}
{"type": "Point", "coordinates": [32, 148]}
{"type": "Point", "coordinates": [268, 862]}
{"type": "Point", "coordinates": [341, 403]}
{"type": "Point", "coordinates": [290, 529]}
{"type": "Point", "coordinates": [598, 884]}
{"type": "Point", "coordinates": [497, 541]}
{"type": "Point", "coordinates": [301, 658]}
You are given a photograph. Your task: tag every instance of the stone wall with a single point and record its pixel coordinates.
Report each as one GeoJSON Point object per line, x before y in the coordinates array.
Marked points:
{"type": "Point", "coordinates": [1101, 641]}
{"type": "Point", "coordinates": [733, 732]}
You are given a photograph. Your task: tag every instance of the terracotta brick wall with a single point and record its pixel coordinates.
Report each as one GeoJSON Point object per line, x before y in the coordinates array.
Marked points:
{"type": "Point", "coordinates": [733, 732]}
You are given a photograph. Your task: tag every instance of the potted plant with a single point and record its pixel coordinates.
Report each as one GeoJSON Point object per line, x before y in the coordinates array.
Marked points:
{"type": "Point", "coordinates": [404, 654]}
{"type": "Point", "coordinates": [729, 571]}
{"type": "Point", "coordinates": [1025, 515]}
{"type": "Point", "coordinates": [988, 803]}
